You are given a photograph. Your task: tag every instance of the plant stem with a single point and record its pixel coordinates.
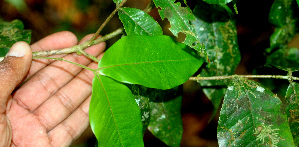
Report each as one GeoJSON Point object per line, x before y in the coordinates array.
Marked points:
{"type": "Point", "coordinates": [243, 76]}
{"type": "Point", "coordinates": [61, 59]}
{"type": "Point", "coordinates": [79, 47]}
{"type": "Point", "coordinates": [108, 19]}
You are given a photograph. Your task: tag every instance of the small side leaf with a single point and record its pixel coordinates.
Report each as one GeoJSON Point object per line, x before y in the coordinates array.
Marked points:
{"type": "Point", "coordinates": [10, 33]}
{"type": "Point", "coordinates": [153, 61]}
{"type": "Point", "coordinates": [137, 22]}
{"type": "Point", "coordinates": [292, 110]}
{"type": "Point", "coordinates": [114, 114]}
{"type": "Point", "coordinates": [252, 115]}
{"type": "Point", "coordinates": [180, 19]}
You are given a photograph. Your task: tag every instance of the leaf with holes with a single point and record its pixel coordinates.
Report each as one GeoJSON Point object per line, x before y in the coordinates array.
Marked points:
{"type": "Point", "coordinates": [180, 20]}
{"type": "Point", "coordinates": [137, 22]}
{"type": "Point", "coordinates": [252, 115]}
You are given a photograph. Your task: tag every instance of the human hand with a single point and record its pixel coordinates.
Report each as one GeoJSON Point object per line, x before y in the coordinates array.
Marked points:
{"type": "Point", "coordinates": [51, 107]}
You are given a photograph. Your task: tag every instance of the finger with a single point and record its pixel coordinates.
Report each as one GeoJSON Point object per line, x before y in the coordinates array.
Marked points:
{"type": "Point", "coordinates": [66, 100]}
{"type": "Point", "coordinates": [51, 79]}
{"type": "Point", "coordinates": [14, 67]}
{"type": "Point", "coordinates": [55, 41]}
{"type": "Point", "coordinates": [70, 129]}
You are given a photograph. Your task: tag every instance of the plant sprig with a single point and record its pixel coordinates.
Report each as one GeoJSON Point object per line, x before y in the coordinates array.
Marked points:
{"type": "Point", "coordinates": [77, 48]}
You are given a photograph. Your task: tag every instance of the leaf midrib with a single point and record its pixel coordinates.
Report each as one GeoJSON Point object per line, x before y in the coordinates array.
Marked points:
{"type": "Point", "coordinates": [147, 62]}
{"type": "Point", "coordinates": [112, 114]}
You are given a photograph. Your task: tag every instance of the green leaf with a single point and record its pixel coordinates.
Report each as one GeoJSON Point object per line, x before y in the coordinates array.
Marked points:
{"type": "Point", "coordinates": [216, 28]}
{"type": "Point", "coordinates": [114, 114]}
{"type": "Point", "coordinates": [282, 15]}
{"type": "Point", "coordinates": [297, 2]}
{"type": "Point", "coordinates": [180, 19]}
{"type": "Point", "coordinates": [166, 121]}
{"type": "Point", "coordinates": [252, 115]}
{"type": "Point", "coordinates": [292, 110]}
{"type": "Point", "coordinates": [137, 22]}
{"type": "Point", "coordinates": [278, 12]}
{"type": "Point", "coordinates": [10, 33]}
{"type": "Point", "coordinates": [218, 1]}
{"type": "Point", "coordinates": [152, 61]}
{"type": "Point", "coordinates": [285, 59]}
{"type": "Point", "coordinates": [165, 107]}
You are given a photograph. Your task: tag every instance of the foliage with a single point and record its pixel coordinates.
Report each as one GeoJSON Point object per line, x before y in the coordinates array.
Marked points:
{"type": "Point", "coordinates": [252, 116]}
{"type": "Point", "coordinates": [137, 85]}
{"type": "Point", "coordinates": [10, 33]}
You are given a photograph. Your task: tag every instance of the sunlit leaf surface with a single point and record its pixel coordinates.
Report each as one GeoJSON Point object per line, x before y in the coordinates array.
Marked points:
{"type": "Point", "coordinates": [114, 114]}
{"type": "Point", "coordinates": [152, 61]}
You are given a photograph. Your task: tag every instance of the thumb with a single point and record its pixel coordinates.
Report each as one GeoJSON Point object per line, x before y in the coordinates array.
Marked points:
{"type": "Point", "coordinates": [13, 69]}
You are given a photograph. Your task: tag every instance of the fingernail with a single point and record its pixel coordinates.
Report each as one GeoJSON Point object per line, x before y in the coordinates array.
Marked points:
{"type": "Point", "coordinates": [19, 49]}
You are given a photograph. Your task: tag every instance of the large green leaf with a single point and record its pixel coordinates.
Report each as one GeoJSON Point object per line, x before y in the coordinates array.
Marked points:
{"type": "Point", "coordinates": [114, 114]}
{"type": "Point", "coordinates": [180, 19]}
{"type": "Point", "coordinates": [10, 33]}
{"type": "Point", "coordinates": [292, 110]}
{"type": "Point", "coordinates": [137, 22]}
{"type": "Point", "coordinates": [152, 61]}
{"type": "Point", "coordinates": [252, 115]}
{"type": "Point", "coordinates": [217, 1]}
{"type": "Point", "coordinates": [216, 28]}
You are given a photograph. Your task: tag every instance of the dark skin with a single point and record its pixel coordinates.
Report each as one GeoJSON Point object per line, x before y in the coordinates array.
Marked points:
{"type": "Point", "coordinates": [51, 107]}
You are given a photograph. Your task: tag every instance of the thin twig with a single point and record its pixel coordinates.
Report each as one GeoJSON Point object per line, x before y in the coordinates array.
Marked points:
{"type": "Point", "coordinates": [89, 56]}
{"type": "Point", "coordinates": [107, 20]}
{"type": "Point", "coordinates": [244, 76]}
{"type": "Point", "coordinates": [61, 59]}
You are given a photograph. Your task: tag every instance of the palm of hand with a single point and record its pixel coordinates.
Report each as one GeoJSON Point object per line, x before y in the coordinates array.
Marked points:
{"type": "Point", "coordinates": [51, 108]}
